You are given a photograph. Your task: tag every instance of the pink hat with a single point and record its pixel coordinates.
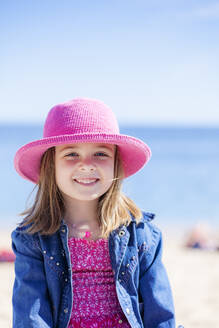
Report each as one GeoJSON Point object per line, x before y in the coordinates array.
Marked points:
{"type": "Point", "coordinates": [76, 121]}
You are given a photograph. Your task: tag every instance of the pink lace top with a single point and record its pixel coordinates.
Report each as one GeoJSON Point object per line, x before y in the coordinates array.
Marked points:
{"type": "Point", "coordinates": [95, 302]}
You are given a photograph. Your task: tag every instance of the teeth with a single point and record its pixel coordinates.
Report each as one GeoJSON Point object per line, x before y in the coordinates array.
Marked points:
{"type": "Point", "coordinates": [86, 180]}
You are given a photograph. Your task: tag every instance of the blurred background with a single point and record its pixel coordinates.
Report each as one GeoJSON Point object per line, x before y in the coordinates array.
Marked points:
{"type": "Point", "coordinates": [155, 63]}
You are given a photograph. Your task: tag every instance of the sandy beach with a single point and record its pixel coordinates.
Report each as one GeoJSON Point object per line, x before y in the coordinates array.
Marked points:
{"type": "Point", "coordinates": [194, 276]}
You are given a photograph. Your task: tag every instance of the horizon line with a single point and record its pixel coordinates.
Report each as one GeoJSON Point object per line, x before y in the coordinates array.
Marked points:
{"type": "Point", "coordinates": [126, 124]}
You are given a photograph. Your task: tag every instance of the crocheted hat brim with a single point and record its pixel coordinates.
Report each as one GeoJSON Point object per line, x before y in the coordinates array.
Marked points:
{"type": "Point", "coordinates": [134, 153]}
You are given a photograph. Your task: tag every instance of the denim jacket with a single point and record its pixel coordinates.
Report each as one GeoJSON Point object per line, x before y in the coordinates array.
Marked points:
{"type": "Point", "coordinates": [43, 295]}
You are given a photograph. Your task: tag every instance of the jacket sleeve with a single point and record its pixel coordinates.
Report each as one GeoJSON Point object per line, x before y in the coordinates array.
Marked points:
{"type": "Point", "coordinates": [154, 287]}
{"type": "Point", "coordinates": [31, 304]}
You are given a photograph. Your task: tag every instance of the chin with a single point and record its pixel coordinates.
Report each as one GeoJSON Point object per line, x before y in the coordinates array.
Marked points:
{"type": "Point", "coordinates": [86, 199]}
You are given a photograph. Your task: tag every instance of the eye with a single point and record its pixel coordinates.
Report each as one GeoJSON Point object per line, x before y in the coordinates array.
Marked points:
{"type": "Point", "coordinates": [101, 154]}
{"type": "Point", "coordinates": [71, 155]}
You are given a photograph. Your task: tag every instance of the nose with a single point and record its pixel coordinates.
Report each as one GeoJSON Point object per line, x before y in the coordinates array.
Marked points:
{"type": "Point", "coordinates": [87, 165]}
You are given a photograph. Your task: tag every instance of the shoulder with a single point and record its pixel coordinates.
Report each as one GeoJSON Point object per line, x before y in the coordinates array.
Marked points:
{"type": "Point", "coordinates": [147, 232]}
{"type": "Point", "coordinates": [20, 233]}
{"type": "Point", "coordinates": [22, 240]}
{"type": "Point", "coordinates": [147, 216]}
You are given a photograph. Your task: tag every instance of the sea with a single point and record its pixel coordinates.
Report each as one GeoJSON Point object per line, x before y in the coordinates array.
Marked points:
{"type": "Point", "coordinates": [180, 183]}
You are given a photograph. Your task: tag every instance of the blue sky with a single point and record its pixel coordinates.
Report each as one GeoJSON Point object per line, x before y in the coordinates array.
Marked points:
{"type": "Point", "coordinates": [154, 62]}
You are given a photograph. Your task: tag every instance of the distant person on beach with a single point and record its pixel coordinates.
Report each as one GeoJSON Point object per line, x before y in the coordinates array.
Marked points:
{"type": "Point", "coordinates": [201, 237]}
{"type": "Point", "coordinates": [86, 255]}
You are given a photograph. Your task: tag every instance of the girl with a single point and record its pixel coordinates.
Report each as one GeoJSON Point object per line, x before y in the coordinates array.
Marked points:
{"type": "Point", "coordinates": [86, 255]}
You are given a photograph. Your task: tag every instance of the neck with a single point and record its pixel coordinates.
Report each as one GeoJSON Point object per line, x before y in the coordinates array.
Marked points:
{"type": "Point", "coordinates": [79, 211]}
{"type": "Point", "coordinates": [81, 218]}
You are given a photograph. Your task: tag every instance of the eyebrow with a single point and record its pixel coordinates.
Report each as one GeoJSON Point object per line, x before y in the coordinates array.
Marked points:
{"type": "Point", "coordinates": [76, 147]}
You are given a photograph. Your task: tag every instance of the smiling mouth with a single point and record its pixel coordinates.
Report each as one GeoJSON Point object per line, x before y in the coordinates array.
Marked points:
{"type": "Point", "coordinates": [86, 182]}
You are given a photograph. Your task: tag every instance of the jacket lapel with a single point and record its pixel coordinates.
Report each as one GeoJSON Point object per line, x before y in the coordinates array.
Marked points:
{"type": "Point", "coordinates": [118, 241]}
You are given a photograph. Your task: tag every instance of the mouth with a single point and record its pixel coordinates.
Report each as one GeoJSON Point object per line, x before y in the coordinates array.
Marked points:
{"type": "Point", "coordinates": [87, 182]}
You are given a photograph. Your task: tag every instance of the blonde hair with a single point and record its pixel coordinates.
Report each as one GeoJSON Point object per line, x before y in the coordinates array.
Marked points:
{"type": "Point", "coordinates": [47, 211]}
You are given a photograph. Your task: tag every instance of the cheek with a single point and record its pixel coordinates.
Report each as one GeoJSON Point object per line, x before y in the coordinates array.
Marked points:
{"type": "Point", "coordinates": [108, 168]}
{"type": "Point", "coordinates": [58, 176]}
{"type": "Point", "coordinates": [60, 173]}
{"type": "Point", "coordinates": [64, 167]}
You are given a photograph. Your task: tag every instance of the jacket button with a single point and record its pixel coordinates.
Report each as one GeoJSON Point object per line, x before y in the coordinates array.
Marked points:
{"type": "Point", "coordinates": [127, 310]}
{"type": "Point", "coordinates": [57, 263]}
{"type": "Point", "coordinates": [121, 233]}
{"type": "Point", "coordinates": [123, 273]}
{"type": "Point", "coordinates": [44, 252]}
{"type": "Point", "coordinates": [66, 310]}
{"type": "Point", "coordinates": [120, 321]}
{"type": "Point", "coordinates": [51, 257]}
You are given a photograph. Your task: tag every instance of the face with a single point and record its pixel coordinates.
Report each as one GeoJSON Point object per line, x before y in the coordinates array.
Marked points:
{"type": "Point", "coordinates": [84, 171]}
